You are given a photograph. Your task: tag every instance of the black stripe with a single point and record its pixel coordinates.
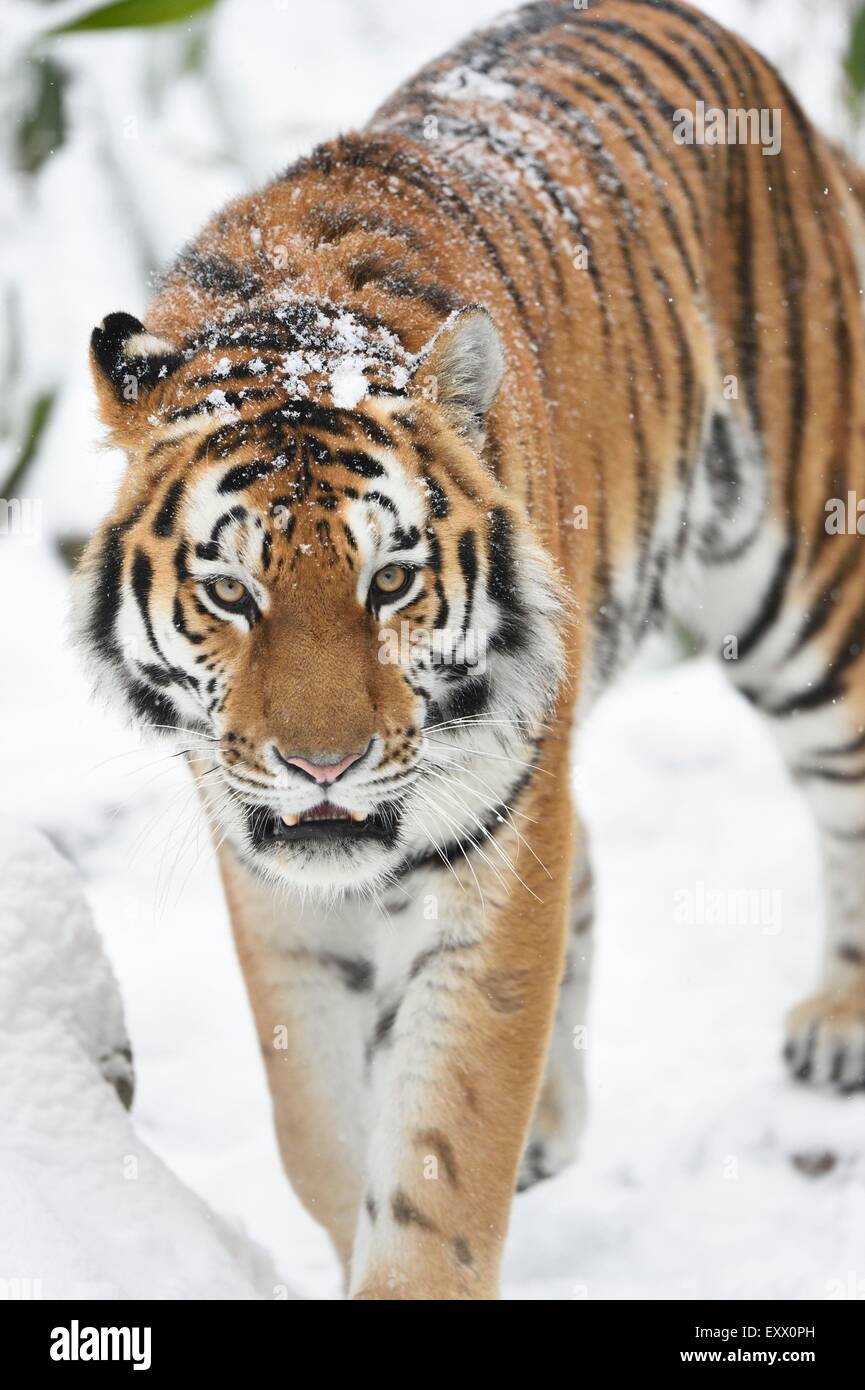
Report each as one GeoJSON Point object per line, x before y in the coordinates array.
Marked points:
{"type": "Point", "coordinates": [181, 625]}
{"type": "Point", "coordinates": [513, 630]}
{"type": "Point", "coordinates": [375, 433]}
{"type": "Point", "coordinates": [141, 579]}
{"type": "Point", "coordinates": [443, 611]}
{"type": "Point", "coordinates": [773, 597]}
{"type": "Point", "coordinates": [468, 558]}
{"type": "Point", "coordinates": [310, 415]}
{"type": "Point", "coordinates": [151, 706]}
{"type": "Point", "coordinates": [237, 371]}
{"type": "Point", "coordinates": [108, 591]}
{"type": "Point", "coordinates": [387, 502]}
{"type": "Point", "coordinates": [210, 551]}
{"type": "Point", "coordinates": [227, 439]}
{"type": "Point", "coordinates": [331, 225]}
{"type": "Point", "coordinates": [501, 573]}
{"type": "Point", "coordinates": [395, 278]}
{"type": "Point", "coordinates": [439, 504]}
{"type": "Point", "coordinates": [831, 687]}
{"type": "Point", "coordinates": [181, 556]}
{"type": "Point", "coordinates": [235, 399]}
{"type": "Point", "coordinates": [163, 523]}
{"type": "Point", "coordinates": [854, 745]}
{"type": "Point", "coordinates": [358, 975]}
{"type": "Point", "coordinates": [405, 538]}
{"type": "Point", "coordinates": [567, 207]}
{"type": "Point", "coordinates": [236, 479]}
{"type": "Point", "coordinates": [827, 774]}
{"type": "Point", "coordinates": [358, 462]}
{"type": "Point", "coordinates": [216, 274]}
{"type": "Point", "coordinates": [823, 607]}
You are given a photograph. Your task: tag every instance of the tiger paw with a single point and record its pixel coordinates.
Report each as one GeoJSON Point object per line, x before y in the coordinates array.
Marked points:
{"type": "Point", "coordinates": [826, 1040]}
{"type": "Point", "coordinates": [544, 1157]}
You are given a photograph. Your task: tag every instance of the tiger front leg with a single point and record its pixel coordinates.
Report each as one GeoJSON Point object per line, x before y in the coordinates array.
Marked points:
{"type": "Point", "coordinates": [457, 1077]}
{"type": "Point", "coordinates": [560, 1115]}
{"type": "Point", "coordinates": [310, 987]}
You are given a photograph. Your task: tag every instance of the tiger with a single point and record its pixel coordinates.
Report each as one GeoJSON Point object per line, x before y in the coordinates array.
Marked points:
{"type": "Point", "coordinates": [425, 440]}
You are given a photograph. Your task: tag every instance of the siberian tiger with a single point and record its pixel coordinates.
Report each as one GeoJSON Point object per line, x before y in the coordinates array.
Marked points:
{"type": "Point", "coordinates": [424, 439]}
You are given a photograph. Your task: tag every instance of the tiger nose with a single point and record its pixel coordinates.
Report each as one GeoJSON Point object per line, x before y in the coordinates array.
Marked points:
{"type": "Point", "coordinates": [323, 770]}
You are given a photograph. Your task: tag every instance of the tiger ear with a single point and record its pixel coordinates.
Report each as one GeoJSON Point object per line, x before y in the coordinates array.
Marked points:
{"type": "Point", "coordinates": [461, 368]}
{"type": "Point", "coordinates": [128, 362]}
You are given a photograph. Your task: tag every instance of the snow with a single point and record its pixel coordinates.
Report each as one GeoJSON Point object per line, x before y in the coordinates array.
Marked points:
{"type": "Point", "coordinates": [705, 1173]}
{"type": "Point", "coordinates": [88, 1210]}
{"type": "Point", "coordinates": [347, 383]}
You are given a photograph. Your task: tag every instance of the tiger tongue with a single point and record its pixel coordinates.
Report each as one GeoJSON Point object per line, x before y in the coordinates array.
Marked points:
{"type": "Point", "coordinates": [325, 811]}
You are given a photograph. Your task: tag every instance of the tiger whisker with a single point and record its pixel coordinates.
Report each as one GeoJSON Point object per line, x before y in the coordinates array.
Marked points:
{"type": "Point", "coordinates": [492, 806]}
{"type": "Point", "coordinates": [457, 801]}
{"type": "Point", "coordinates": [428, 801]}
{"type": "Point", "coordinates": [497, 757]}
{"type": "Point", "coordinates": [461, 832]}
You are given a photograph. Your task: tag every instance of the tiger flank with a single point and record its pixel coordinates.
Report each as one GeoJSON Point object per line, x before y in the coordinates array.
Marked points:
{"type": "Point", "coordinates": [342, 573]}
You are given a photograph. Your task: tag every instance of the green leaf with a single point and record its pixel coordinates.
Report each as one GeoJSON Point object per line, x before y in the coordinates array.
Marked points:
{"type": "Point", "coordinates": [854, 63]}
{"type": "Point", "coordinates": [41, 127]}
{"type": "Point", "coordinates": [134, 14]}
{"type": "Point", "coordinates": [41, 410]}
{"type": "Point", "coordinates": [70, 548]}
{"type": "Point", "coordinates": [195, 50]}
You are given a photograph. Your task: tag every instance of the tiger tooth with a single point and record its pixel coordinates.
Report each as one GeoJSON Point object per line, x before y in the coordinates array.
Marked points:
{"type": "Point", "coordinates": [290, 820]}
{"type": "Point", "coordinates": [359, 816]}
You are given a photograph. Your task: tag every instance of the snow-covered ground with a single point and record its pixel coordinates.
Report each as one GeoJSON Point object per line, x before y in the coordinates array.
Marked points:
{"type": "Point", "coordinates": [705, 1172]}
{"type": "Point", "coordinates": [87, 1208]}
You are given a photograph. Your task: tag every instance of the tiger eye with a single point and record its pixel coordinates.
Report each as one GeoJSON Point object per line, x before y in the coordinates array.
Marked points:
{"type": "Point", "coordinates": [390, 579]}
{"type": "Point", "coordinates": [228, 591]}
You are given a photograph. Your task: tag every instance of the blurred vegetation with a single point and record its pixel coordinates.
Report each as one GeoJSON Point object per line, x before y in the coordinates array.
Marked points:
{"type": "Point", "coordinates": [36, 114]}
{"type": "Point", "coordinates": [41, 127]}
{"type": "Point", "coordinates": [133, 14]}
{"type": "Point", "coordinates": [854, 62]}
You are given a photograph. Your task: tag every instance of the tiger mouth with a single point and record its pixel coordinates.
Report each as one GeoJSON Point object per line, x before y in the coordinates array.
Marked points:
{"type": "Point", "coordinates": [324, 822]}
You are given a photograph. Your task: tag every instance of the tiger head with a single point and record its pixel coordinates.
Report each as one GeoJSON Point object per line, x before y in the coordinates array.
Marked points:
{"type": "Point", "coordinates": [314, 583]}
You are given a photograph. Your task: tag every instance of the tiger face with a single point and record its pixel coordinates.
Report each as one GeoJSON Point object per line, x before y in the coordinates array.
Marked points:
{"type": "Point", "coordinates": [335, 609]}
